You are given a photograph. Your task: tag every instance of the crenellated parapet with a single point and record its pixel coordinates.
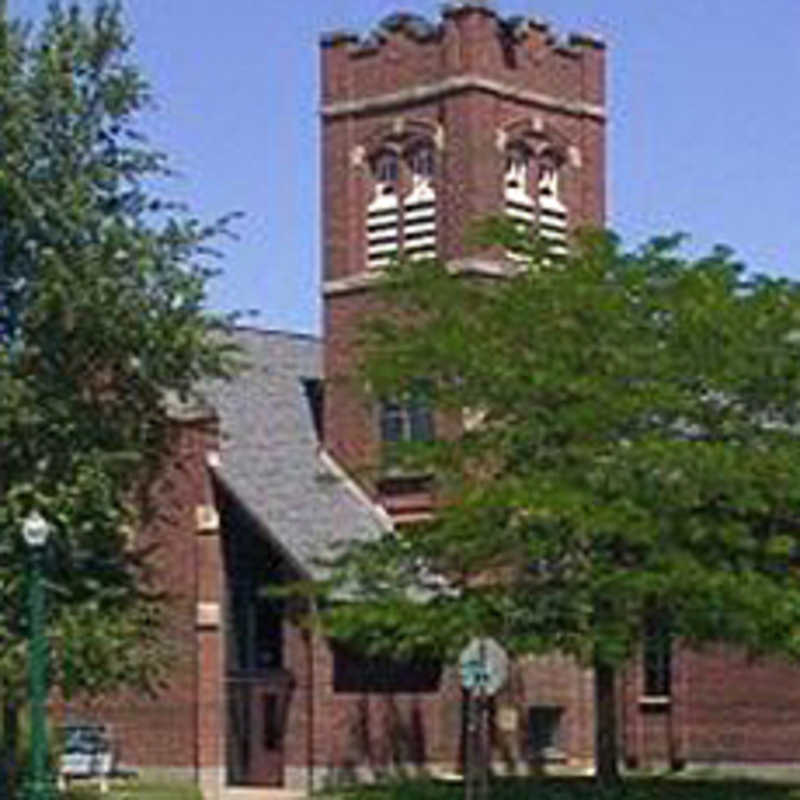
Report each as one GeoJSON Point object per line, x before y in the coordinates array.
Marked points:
{"type": "Point", "coordinates": [469, 40]}
{"type": "Point", "coordinates": [421, 29]}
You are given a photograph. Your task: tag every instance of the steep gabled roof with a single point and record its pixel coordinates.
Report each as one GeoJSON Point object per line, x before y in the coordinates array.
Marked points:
{"type": "Point", "coordinates": [271, 461]}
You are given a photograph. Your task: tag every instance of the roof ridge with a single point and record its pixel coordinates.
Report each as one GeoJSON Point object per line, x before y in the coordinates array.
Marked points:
{"type": "Point", "coordinates": [277, 332]}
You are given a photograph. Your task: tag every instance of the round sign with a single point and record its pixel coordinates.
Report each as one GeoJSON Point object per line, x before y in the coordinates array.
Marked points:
{"type": "Point", "coordinates": [484, 665]}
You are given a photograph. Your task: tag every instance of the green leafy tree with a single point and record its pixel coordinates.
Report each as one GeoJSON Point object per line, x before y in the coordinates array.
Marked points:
{"type": "Point", "coordinates": [628, 454]}
{"type": "Point", "coordinates": [102, 321]}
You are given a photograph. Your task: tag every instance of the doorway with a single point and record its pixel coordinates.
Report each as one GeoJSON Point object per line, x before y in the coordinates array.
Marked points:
{"type": "Point", "coordinates": [257, 684]}
{"type": "Point", "coordinates": [256, 721]}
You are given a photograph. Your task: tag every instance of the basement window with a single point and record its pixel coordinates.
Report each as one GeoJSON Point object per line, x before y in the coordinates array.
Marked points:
{"type": "Point", "coordinates": [546, 733]}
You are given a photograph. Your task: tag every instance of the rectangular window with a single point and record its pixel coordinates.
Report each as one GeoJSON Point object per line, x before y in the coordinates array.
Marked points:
{"type": "Point", "coordinates": [355, 672]}
{"type": "Point", "coordinates": [393, 422]}
{"type": "Point", "coordinates": [657, 656]}
{"type": "Point", "coordinates": [410, 419]}
{"type": "Point", "coordinates": [420, 421]}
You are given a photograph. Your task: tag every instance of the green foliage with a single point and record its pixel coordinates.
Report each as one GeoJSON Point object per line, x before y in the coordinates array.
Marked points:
{"type": "Point", "coordinates": [102, 324]}
{"type": "Point", "coordinates": [632, 446]}
{"type": "Point", "coordinates": [580, 789]}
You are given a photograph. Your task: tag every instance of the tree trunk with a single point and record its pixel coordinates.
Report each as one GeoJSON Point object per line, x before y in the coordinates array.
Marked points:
{"type": "Point", "coordinates": [605, 705]}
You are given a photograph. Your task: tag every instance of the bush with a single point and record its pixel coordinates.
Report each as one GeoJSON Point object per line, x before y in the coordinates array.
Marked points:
{"type": "Point", "coordinates": [582, 789]}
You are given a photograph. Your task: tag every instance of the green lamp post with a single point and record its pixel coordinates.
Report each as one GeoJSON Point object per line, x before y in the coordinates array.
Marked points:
{"type": "Point", "coordinates": [35, 531]}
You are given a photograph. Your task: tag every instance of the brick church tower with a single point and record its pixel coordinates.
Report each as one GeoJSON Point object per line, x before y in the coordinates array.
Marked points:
{"type": "Point", "coordinates": [425, 128]}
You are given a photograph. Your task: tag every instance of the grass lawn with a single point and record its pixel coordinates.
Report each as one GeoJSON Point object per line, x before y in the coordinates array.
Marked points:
{"type": "Point", "coordinates": [584, 789]}
{"type": "Point", "coordinates": [137, 791]}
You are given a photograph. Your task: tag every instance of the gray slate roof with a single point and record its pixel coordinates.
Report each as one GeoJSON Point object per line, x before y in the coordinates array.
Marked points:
{"type": "Point", "coordinates": [270, 457]}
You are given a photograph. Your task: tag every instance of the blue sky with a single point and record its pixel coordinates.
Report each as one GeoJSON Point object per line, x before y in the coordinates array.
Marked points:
{"type": "Point", "coordinates": [704, 132]}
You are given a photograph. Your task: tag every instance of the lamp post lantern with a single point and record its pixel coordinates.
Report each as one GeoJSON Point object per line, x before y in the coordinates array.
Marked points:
{"type": "Point", "coordinates": [35, 532]}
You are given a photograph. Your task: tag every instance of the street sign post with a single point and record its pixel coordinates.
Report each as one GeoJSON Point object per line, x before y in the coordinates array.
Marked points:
{"type": "Point", "coordinates": [484, 670]}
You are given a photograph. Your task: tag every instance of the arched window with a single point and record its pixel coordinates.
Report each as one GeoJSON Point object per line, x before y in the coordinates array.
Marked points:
{"type": "Point", "coordinates": [421, 162]}
{"type": "Point", "coordinates": [386, 169]}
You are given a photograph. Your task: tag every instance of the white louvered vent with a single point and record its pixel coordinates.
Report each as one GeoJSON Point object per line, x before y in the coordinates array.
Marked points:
{"type": "Point", "coordinates": [419, 220]}
{"type": "Point", "coordinates": [383, 223]}
{"type": "Point", "coordinates": [552, 216]}
{"type": "Point", "coordinates": [383, 226]}
{"type": "Point", "coordinates": [519, 205]}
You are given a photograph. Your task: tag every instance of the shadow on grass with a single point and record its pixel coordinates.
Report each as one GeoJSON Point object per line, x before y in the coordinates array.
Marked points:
{"type": "Point", "coordinates": [583, 789]}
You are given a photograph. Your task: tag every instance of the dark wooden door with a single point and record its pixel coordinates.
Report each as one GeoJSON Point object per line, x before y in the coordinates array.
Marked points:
{"type": "Point", "coordinates": [266, 737]}
{"type": "Point", "coordinates": [255, 734]}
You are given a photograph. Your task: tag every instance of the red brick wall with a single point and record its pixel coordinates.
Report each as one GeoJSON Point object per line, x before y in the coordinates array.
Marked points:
{"type": "Point", "coordinates": [469, 180]}
{"type": "Point", "coordinates": [741, 709]}
{"type": "Point", "coordinates": [162, 732]}
{"type": "Point", "coordinates": [340, 731]}
{"type": "Point", "coordinates": [348, 418]}
{"type": "Point", "coordinates": [347, 733]}
{"type": "Point", "coordinates": [556, 680]}
{"type": "Point", "coordinates": [725, 707]}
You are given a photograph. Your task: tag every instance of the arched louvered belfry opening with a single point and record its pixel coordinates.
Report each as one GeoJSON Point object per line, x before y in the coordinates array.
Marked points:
{"type": "Point", "coordinates": [533, 181]}
{"type": "Point", "coordinates": [401, 215]}
{"type": "Point", "coordinates": [520, 203]}
{"type": "Point", "coordinates": [419, 203]}
{"type": "Point", "coordinates": [383, 212]}
{"type": "Point", "coordinates": [551, 212]}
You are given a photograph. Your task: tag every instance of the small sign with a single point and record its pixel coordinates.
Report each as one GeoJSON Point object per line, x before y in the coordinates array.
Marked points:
{"type": "Point", "coordinates": [484, 666]}
{"type": "Point", "coordinates": [507, 719]}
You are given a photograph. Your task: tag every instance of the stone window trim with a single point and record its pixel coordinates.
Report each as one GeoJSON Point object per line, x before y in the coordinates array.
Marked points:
{"type": "Point", "coordinates": [399, 163]}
